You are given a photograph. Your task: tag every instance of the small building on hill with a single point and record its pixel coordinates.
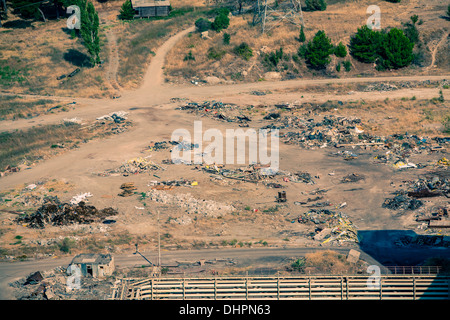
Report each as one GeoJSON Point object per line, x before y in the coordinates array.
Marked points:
{"type": "Point", "coordinates": [95, 265]}
{"type": "Point", "coordinates": [151, 8]}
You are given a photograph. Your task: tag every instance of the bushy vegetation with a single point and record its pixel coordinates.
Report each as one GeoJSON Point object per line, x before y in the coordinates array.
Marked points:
{"type": "Point", "coordinates": [318, 51]}
{"type": "Point", "coordinates": [301, 36]}
{"type": "Point", "coordinates": [221, 21]}
{"type": "Point", "coordinates": [126, 11]}
{"type": "Point", "coordinates": [273, 58]}
{"type": "Point", "coordinates": [244, 51]}
{"type": "Point", "coordinates": [202, 24]}
{"type": "Point", "coordinates": [315, 5]}
{"type": "Point", "coordinates": [215, 54]}
{"type": "Point", "coordinates": [340, 50]}
{"type": "Point", "coordinates": [391, 50]}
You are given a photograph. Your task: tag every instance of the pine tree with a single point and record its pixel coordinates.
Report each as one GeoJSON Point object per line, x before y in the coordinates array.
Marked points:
{"type": "Point", "coordinates": [318, 51]}
{"type": "Point", "coordinates": [89, 30]}
{"type": "Point", "coordinates": [365, 44]}
{"type": "Point", "coordinates": [340, 50]}
{"type": "Point", "coordinates": [126, 11]}
{"type": "Point", "coordinates": [302, 37]}
{"type": "Point", "coordinates": [396, 50]}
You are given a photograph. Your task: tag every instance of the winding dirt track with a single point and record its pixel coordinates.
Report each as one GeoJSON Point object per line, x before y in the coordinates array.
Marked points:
{"type": "Point", "coordinates": [154, 95]}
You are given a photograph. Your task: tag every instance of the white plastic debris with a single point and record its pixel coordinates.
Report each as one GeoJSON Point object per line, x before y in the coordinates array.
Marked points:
{"type": "Point", "coordinates": [80, 197]}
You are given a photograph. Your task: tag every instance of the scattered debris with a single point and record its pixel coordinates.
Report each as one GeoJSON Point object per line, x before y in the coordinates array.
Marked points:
{"type": "Point", "coordinates": [341, 228]}
{"type": "Point", "coordinates": [56, 213]}
{"type": "Point", "coordinates": [117, 117]}
{"type": "Point", "coordinates": [402, 202]}
{"type": "Point", "coordinates": [80, 197]}
{"type": "Point", "coordinates": [353, 177]}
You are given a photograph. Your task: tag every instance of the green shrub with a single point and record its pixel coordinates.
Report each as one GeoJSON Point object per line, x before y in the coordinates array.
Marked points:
{"type": "Point", "coordinates": [202, 24]}
{"type": "Point", "coordinates": [274, 58]}
{"type": "Point", "coordinates": [347, 65]}
{"type": "Point", "coordinates": [226, 38]}
{"type": "Point", "coordinates": [340, 50]}
{"type": "Point", "coordinates": [189, 57]}
{"type": "Point", "coordinates": [215, 54]}
{"type": "Point", "coordinates": [220, 22]}
{"type": "Point", "coordinates": [315, 5]}
{"type": "Point", "coordinates": [338, 67]}
{"type": "Point", "coordinates": [302, 37]}
{"type": "Point", "coordinates": [244, 51]}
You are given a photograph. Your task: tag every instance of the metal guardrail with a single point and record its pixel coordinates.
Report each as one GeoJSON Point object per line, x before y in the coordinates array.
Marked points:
{"type": "Point", "coordinates": [401, 287]}
{"type": "Point", "coordinates": [414, 269]}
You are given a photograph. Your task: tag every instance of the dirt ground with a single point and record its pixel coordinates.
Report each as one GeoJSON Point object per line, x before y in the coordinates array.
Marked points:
{"type": "Point", "coordinates": [251, 216]}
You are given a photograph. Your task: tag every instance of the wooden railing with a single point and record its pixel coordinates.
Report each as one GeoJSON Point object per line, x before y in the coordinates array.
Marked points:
{"type": "Point", "coordinates": [404, 287]}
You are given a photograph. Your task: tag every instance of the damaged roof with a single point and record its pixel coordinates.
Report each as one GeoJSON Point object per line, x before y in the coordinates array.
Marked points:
{"type": "Point", "coordinates": [94, 258]}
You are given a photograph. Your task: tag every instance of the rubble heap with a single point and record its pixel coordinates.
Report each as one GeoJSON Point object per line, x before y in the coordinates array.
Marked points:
{"type": "Point", "coordinates": [128, 189]}
{"type": "Point", "coordinates": [135, 166]}
{"type": "Point", "coordinates": [334, 226]}
{"type": "Point", "coordinates": [56, 213]}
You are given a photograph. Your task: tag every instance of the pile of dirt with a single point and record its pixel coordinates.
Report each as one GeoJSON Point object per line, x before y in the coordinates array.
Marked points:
{"type": "Point", "coordinates": [56, 213]}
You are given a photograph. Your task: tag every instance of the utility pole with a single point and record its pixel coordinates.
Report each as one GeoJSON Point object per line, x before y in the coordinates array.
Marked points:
{"type": "Point", "coordinates": [159, 244]}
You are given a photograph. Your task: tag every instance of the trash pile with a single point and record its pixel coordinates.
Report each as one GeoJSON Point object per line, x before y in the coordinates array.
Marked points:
{"type": "Point", "coordinates": [157, 146]}
{"type": "Point", "coordinates": [56, 213]}
{"type": "Point", "coordinates": [170, 184]}
{"type": "Point", "coordinates": [380, 87]}
{"type": "Point", "coordinates": [433, 186]}
{"type": "Point", "coordinates": [402, 202]}
{"type": "Point", "coordinates": [353, 177]}
{"type": "Point", "coordinates": [206, 106]}
{"type": "Point", "coordinates": [423, 240]}
{"type": "Point", "coordinates": [329, 131]}
{"type": "Point", "coordinates": [128, 189]}
{"type": "Point", "coordinates": [334, 226]}
{"type": "Point", "coordinates": [189, 204]}
{"type": "Point", "coordinates": [134, 166]}
{"type": "Point", "coordinates": [116, 117]}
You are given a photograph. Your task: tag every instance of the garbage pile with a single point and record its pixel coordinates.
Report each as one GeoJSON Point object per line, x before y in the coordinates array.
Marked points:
{"type": "Point", "coordinates": [128, 189]}
{"type": "Point", "coordinates": [423, 240]}
{"type": "Point", "coordinates": [352, 177]}
{"type": "Point", "coordinates": [170, 184]}
{"type": "Point", "coordinates": [402, 202]}
{"type": "Point", "coordinates": [116, 117]}
{"type": "Point", "coordinates": [329, 131]}
{"type": "Point", "coordinates": [189, 204]}
{"type": "Point", "coordinates": [56, 213]}
{"type": "Point", "coordinates": [334, 226]}
{"type": "Point", "coordinates": [380, 87]}
{"type": "Point", "coordinates": [433, 186]}
{"type": "Point", "coordinates": [135, 166]}
{"type": "Point", "coordinates": [157, 146]}
{"type": "Point", "coordinates": [206, 106]}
